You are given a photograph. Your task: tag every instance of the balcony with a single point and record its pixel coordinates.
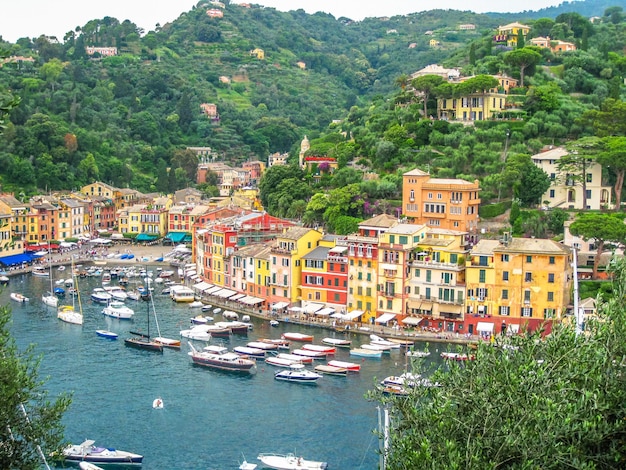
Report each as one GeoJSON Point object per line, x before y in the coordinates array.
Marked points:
{"type": "Point", "coordinates": [422, 263]}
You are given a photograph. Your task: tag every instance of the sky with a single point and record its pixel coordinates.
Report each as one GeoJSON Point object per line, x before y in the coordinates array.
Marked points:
{"type": "Point", "coordinates": [21, 18]}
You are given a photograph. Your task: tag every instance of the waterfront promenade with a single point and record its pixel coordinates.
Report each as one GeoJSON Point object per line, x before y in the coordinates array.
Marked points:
{"type": "Point", "coordinates": [148, 254]}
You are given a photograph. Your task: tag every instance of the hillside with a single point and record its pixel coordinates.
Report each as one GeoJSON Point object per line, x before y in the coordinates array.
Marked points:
{"type": "Point", "coordinates": [124, 119]}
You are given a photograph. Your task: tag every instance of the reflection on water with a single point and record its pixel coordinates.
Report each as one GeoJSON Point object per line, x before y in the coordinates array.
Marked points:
{"type": "Point", "coordinates": [210, 419]}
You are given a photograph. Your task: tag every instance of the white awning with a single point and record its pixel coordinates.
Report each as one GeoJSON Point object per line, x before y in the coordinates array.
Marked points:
{"type": "Point", "coordinates": [338, 315]}
{"type": "Point", "coordinates": [212, 290]}
{"type": "Point", "coordinates": [312, 307]}
{"type": "Point", "coordinates": [338, 249]}
{"type": "Point", "coordinates": [325, 311]}
{"type": "Point", "coordinates": [385, 317]}
{"type": "Point", "coordinates": [237, 297]}
{"type": "Point", "coordinates": [280, 305]}
{"type": "Point", "coordinates": [195, 278]}
{"type": "Point", "coordinates": [484, 327]}
{"type": "Point", "coordinates": [294, 309]}
{"type": "Point", "coordinates": [201, 286]}
{"type": "Point", "coordinates": [412, 321]}
{"type": "Point", "coordinates": [225, 293]}
{"type": "Point", "coordinates": [251, 300]}
{"type": "Point", "coordinates": [389, 267]}
{"type": "Point", "coordinates": [353, 315]}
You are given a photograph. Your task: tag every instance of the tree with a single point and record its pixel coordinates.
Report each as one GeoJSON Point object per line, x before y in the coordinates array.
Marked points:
{"type": "Point", "coordinates": [426, 86]}
{"type": "Point", "coordinates": [534, 402]}
{"type": "Point", "coordinates": [525, 59]}
{"type": "Point", "coordinates": [533, 185]}
{"type": "Point", "coordinates": [573, 167]}
{"type": "Point", "coordinates": [614, 158]}
{"type": "Point", "coordinates": [29, 417]}
{"type": "Point", "coordinates": [602, 228]}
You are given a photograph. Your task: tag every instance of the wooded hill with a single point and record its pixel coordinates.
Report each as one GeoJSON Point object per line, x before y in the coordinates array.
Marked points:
{"type": "Point", "coordinates": [126, 119]}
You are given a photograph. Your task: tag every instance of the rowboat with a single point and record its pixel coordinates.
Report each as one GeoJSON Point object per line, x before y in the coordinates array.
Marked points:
{"type": "Point", "coordinates": [280, 362]}
{"type": "Point", "coordinates": [18, 297]}
{"type": "Point", "coordinates": [295, 357]}
{"type": "Point", "coordinates": [331, 370]}
{"type": "Point", "coordinates": [351, 366]}
{"type": "Point", "coordinates": [298, 337]}
{"type": "Point", "coordinates": [328, 350]}
{"type": "Point", "coordinates": [338, 343]}
{"type": "Point", "coordinates": [307, 353]}
{"type": "Point", "coordinates": [366, 353]}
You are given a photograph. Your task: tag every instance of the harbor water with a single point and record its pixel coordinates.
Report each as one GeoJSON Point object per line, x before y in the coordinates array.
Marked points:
{"type": "Point", "coordinates": [210, 419]}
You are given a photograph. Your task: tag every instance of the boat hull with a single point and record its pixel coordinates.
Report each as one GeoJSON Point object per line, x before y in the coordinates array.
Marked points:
{"type": "Point", "coordinates": [143, 343]}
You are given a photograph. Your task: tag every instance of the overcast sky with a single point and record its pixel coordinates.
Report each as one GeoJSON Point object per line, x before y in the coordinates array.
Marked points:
{"type": "Point", "coordinates": [31, 18]}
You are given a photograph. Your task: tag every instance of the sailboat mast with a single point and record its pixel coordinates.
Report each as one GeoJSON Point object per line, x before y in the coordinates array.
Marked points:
{"type": "Point", "coordinates": [75, 283]}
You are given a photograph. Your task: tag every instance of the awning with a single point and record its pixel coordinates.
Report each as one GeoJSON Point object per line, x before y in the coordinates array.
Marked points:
{"type": "Point", "coordinates": [237, 297]}
{"type": "Point", "coordinates": [16, 259]}
{"type": "Point", "coordinates": [454, 309]}
{"type": "Point", "coordinates": [484, 327]}
{"type": "Point", "coordinates": [353, 315]}
{"type": "Point", "coordinates": [146, 237]}
{"type": "Point", "coordinates": [338, 249]}
{"type": "Point", "coordinates": [212, 290]}
{"type": "Point", "coordinates": [178, 237]}
{"type": "Point", "coordinates": [385, 317]}
{"type": "Point", "coordinates": [202, 286]}
{"type": "Point", "coordinates": [389, 267]}
{"type": "Point", "coordinates": [312, 308]}
{"type": "Point", "coordinates": [225, 293]}
{"type": "Point", "coordinates": [325, 311]}
{"type": "Point", "coordinates": [100, 241]}
{"type": "Point", "coordinates": [294, 309]}
{"type": "Point", "coordinates": [412, 321]}
{"type": "Point", "coordinates": [280, 305]}
{"type": "Point", "coordinates": [250, 300]}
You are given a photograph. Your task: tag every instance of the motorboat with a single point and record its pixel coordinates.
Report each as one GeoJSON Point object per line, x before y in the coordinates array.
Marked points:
{"type": "Point", "coordinates": [262, 345]}
{"type": "Point", "coordinates": [198, 333]}
{"type": "Point", "coordinates": [280, 343]}
{"type": "Point", "coordinates": [290, 462]}
{"type": "Point", "coordinates": [408, 380]}
{"type": "Point", "coordinates": [106, 334]}
{"type": "Point", "coordinates": [230, 315]}
{"type": "Point", "coordinates": [201, 320]}
{"type": "Point", "coordinates": [360, 352]}
{"type": "Point", "coordinates": [40, 271]}
{"type": "Point", "coordinates": [328, 350]}
{"type": "Point", "coordinates": [331, 370]}
{"type": "Point", "coordinates": [251, 352]}
{"type": "Point", "coordinates": [88, 466]}
{"type": "Point", "coordinates": [413, 353]}
{"type": "Point", "coordinates": [374, 339]}
{"type": "Point", "coordinates": [133, 295]}
{"type": "Point", "coordinates": [274, 323]}
{"type": "Point", "coordinates": [301, 337]}
{"type": "Point", "coordinates": [351, 366]}
{"type": "Point", "coordinates": [245, 465]}
{"type": "Point", "coordinates": [454, 356]}
{"type": "Point", "coordinates": [235, 327]}
{"type": "Point", "coordinates": [207, 307]}
{"type": "Point", "coordinates": [281, 362]}
{"type": "Point", "coordinates": [116, 292]}
{"type": "Point", "coordinates": [118, 310]}
{"type": "Point", "coordinates": [336, 342]}
{"type": "Point", "coordinates": [4, 280]}
{"type": "Point", "coordinates": [87, 452]}
{"type": "Point", "coordinates": [196, 304]}
{"type": "Point", "coordinates": [295, 357]}
{"type": "Point", "coordinates": [101, 296]}
{"type": "Point", "coordinates": [16, 296]}
{"type": "Point", "coordinates": [221, 360]}
{"type": "Point", "coordinates": [307, 353]}
{"type": "Point", "coordinates": [376, 347]}
{"type": "Point", "coordinates": [298, 373]}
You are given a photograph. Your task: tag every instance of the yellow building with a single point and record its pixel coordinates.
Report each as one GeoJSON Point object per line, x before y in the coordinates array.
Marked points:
{"type": "Point", "coordinates": [437, 281]}
{"type": "Point", "coordinates": [363, 267]}
{"type": "Point", "coordinates": [286, 262]}
{"type": "Point", "coordinates": [19, 225]}
{"type": "Point", "coordinates": [509, 33]}
{"type": "Point", "coordinates": [146, 221]}
{"type": "Point", "coordinates": [527, 284]}
{"type": "Point", "coordinates": [395, 248]}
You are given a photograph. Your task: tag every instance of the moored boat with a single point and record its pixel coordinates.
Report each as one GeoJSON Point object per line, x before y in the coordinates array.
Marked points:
{"type": "Point", "coordinates": [290, 462]}
{"type": "Point", "coordinates": [101, 296]}
{"type": "Point", "coordinates": [301, 337]}
{"type": "Point", "coordinates": [198, 332]}
{"type": "Point", "coordinates": [250, 352]}
{"type": "Point", "coordinates": [106, 334]}
{"type": "Point", "coordinates": [221, 360]}
{"type": "Point", "coordinates": [281, 362]}
{"type": "Point", "coordinates": [167, 342]}
{"type": "Point", "coordinates": [307, 353]}
{"type": "Point", "coordinates": [280, 343]}
{"type": "Point", "coordinates": [328, 350]}
{"type": "Point", "coordinates": [16, 296]}
{"type": "Point", "coordinates": [295, 357]}
{"type": "Point", "coordinates": [376, 347]}
{"type": "Point", "coordinates": [201, 320]}
{"type": "Point", "coordinates": [117, 309]}
{"type": "Point", "coordinates": [360, 352]}
{"type": "Point", "coordinates": [336, 342]}
{"type": "Point", "coordinates": [351, 366]}
{"type": "Point", "coordinates": [297, 373]}
{"type": "Point", "coordinates": [262, 345]}
{"type": "Point", "coordinates": [377, 340]}
{"type": "Point", "coordinates": [413, 353]}
{"type": "Point", "coordinates": [87, 452]}
{"type": "Point", "coordinates": [331, 370]}
{"type": "Point", "coordinates": [454, 356]}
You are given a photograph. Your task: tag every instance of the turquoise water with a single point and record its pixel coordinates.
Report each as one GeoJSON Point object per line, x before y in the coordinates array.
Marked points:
{"type": "Point", "coordinates": [211, 419]}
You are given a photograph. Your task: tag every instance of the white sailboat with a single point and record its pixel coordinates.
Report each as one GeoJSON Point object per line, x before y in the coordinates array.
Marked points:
{"type": "Point", "coordinates": [166, 342]}
{"type": "Point", "coordinates": [49, 298]}
{"type": "Point", "coordinates": [68, 313]}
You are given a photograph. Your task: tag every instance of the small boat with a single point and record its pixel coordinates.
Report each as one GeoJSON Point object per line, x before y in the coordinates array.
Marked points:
{"type": "Point", "coordinates": [157, 403]}
{"type": "Point", "coordinates": [133, 295]}
{"type": "Point", "coordinates": [196, 304]}
{"type": "Point", "coordinates": [87, 452]}
{"type": "Point", "coordinates": [407, 380]}
{"type": "Point", "coordinates": [118, 310]}
{"type": "Point", "coordinates": [307, 353]}
{"type": "Point", "coordinates": [40, 271]}
{"type": "Point", "coordinates": [281, 362]}
{"type": "Point", "coordinates": [230, 315]}
{"type": "Point", "coordinates": [101, 296]}
{"type": "Point", "coordinates": [19, 297]}
{"type": "Point", "coordinates": [167, 342]}
{"type": "Point", "coordinates": [4, 280]}
{"type": "Point", "coordinates": [328, 350]}
{"type": "Point", "coordinates": [377, 347]}
{"type": "Point", "coordinates": [250, 352]}
{"type": "Point", "coordinates": [89, 466]}
{"type": "Point", "coordinates": [351, 366]}
{"type": "Point", "coordinates": [201, 320]}
{"type": "Point", "coordinates": [413, 353]}
{"type": "Point", "coordinates": [366, 353]}
{"type": "Point", "coordinates": [453, 356]}
{"type": "Point", "coordinates": [295, 357]}
{"type": "Point", "coordinates": [290, 462]}
{"type": "Point", "coordinates": [280, 343]}
{"type": "Point", "coordinates": [206, 307]}
{"type": "Point", "coordinates": [274, 323]}
{"type": "Point", "coordinates": [106, 334]}
{"type": "Point", "coordinates": [383, 342]}
{"type": "Point", "coordinates": [59, 291]}
{"type": "Point", "coordinates": [221, 360]}
{"type": "Point", "coordinates": [331, 370]}
{"type": "Point", "coordinates": [68, 314]}
{"type": "Point", "coordinates": [297, 373]}
{"type": "Point", "coordinates": [338, 343]}
{"type": "Point", "coordinates": [262, 345]}
{"type": "Point", "coordinates": [298, 337]}
{"type": "Point", "coordinates": [245, 465]}
{"type": "Point", "coordinates": [61, 268]}
{"type": "Point", "coordinates": [198, 333]}
{"type": "Point", "coordinates": [235, 327]}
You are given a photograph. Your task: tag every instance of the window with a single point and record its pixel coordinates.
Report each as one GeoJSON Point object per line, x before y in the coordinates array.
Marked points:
{"type": "Point", "coordinates": [389, 304]}
{"type": "Point", "coordinates": [428, 275]}
{"type": "Point", "coordinates": [552, 194]}
{"type": "Point", "coordinates": [482, 275]}
{"type": "Point", "coordinates": [454, 258]}
{"type": "Point", "coordinates": [527, 312]}
{"type": "Point", "coordinates": [368, 277]}
{"type": "Point", "coordinates": [504, 258]}
{"type": "Point", "coordinates": [427, 293]}
{"type": "Point", "coordinates": [505, 275]}
{"type": "Point", "coordinates": [529, 259]}
{"type": "Point", "coordinates": [482, 293]}
{"type": "Point", "coordinates": [528, 277]}
{"type": "Point", "coordinates": [589, 177]}
{"type": "Point", "coordinates": [505, 294]}
{"type": "Point", "coordinates": [527, 296]}
{"type": "Point", "coordinates": [549, 312]}
{"type": "Point", "coordinates": [551, 278]}
{"type": "Point", "coordinates": [550, 296]}
{"type": "Point", "coordinates": [506, 311]}
{"type": "Point", "coordinates": [552, 261]}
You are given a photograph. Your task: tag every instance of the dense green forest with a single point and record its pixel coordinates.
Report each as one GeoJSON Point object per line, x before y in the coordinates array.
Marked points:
{"type": "Point", "coordinates": [126, 119]}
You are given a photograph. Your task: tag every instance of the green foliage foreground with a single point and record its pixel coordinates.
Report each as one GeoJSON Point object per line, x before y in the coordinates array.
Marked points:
{"type": "Point", "coordinates": [19, 385]}
{"type": "Point", "coordinates": [530, 403]}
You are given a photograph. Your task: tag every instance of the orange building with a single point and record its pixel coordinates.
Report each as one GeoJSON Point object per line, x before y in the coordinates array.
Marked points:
{"type": "Point", "coordinates": [445, 203]}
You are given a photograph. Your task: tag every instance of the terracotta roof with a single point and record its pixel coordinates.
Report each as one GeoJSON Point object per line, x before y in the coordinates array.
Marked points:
{"type": "Point", "coordinates": [381, 221]}
{"type": "Point", "coordinates": [533, 245]}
